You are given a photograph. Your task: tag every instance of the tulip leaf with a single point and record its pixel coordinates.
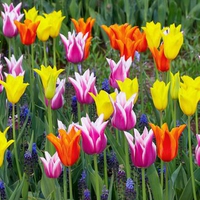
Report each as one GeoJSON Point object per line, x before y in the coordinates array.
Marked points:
{"type": "Point", "coordinates": [187, 192]}
{"type": "Point", "coordinates": [47, 189]}
{"type": "Point", "coordinates": [111, 187]}
{"type": "Point", "coordinates": [154, 181]}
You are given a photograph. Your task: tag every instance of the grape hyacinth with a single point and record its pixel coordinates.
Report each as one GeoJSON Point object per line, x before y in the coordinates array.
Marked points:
{"type": "Point", "coordinates": [106, 86]}
{"type": "Point", "coordinates": [9, 159]}
{"type": "Point", "coordinates": [129, 191]}
{"type": "Point", "coordinates": [28, 163]}
{"type": "Point", "coordinates": [82, 184]}
{"type": "Point", "coordinates": [104, 195]}
{"type": "Point", "coordinates": [2, 190]}
{"type": "Point", "coordinates": [86, 195]}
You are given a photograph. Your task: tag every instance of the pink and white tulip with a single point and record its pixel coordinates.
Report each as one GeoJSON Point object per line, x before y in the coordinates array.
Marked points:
{"type": "Point", "coordinates": [119, 71]}
{"type": "Point", "coordinates": [143, 150]}
{"type": "Point", "coordinates": [74, 46]}
{"type": "Point", "coordinates": [52, 165]}
{"type": "Point", "coordinates": [94, 140]}
{"type": "Point", "coordinates": [124, 117]}
{"type": "Point", "coordinates": [83, 84]}
{"type": "Point", "coordinates": [197, 150]}
{"type": "Point", "coordinates": [9, 15]}
{"type": "Point", "coordinates": [15, 66]}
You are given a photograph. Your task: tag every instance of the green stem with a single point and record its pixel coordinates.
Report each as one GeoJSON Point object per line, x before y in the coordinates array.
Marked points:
{"type": "Point", "coordinates": [54, 51]}
{"type": "Point", "coordinates": [174, 113]}
{"type": "Point", "coordinates": [190, 159]}
{"type": "Point", "coordinates": [128, 171]}
{"type": "Point", "coordinates": [45, 54]}
{"type": "Point", "coordinates": [9, 48]}
{"type": "Point", "coordinates": [143, 184]}
{"type": "Point", "coordinates": [166, 181]}
{"type": "Point", "coordinates": [105, 169]}
{"type": "Point", "coordinates": [196, 121]}
{"type": "Point", "coordinates": [65, 182]}
{"type": "Point", "coordinates": [161, 174]}
{"type": "Point", "coordinates": [70, 183]}
{"type": "Point", "coordinates": [50, 117]}
{"type": "Point", "coordinates": [97, 177]}
{"type": "Point", "coordinates": [15, 143]}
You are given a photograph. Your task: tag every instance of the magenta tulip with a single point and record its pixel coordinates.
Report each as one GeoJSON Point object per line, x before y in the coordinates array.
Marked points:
{"type": "Point", "coordinates": [197, 150]}
{"type": "Point", "coordinates": [124, 117]}
{"type": "Point", "coordinates": [143, 150]}
{"type": "Point", "coordinates": [119, 71]}
{"type": "Point", "coordinates": [94, 140]}
{"type": "Point", "coordinates": [52, 165]}
{"type": "Point", "coordinates": [9, 15]}
{"type": "Point", "coordinates": [74, 46]}
{"type": "Point", "coordinates": [83, 85]}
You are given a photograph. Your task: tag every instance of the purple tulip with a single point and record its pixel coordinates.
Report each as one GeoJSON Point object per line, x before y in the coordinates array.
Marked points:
{"type": "Point", "coordinates": [58, 100]}
{"type": "Point", "coordinates": [94, 140]}
{"type": "Point", "coordinates": [119, 71]}
{"type": "Point", "coordinates": [197, 150]}
{"type": "Point", "coordinates": [15, 67]}
{"type": "Point", "coordinates": [52, 165]}
{"type": "Point", "coordinates": [83, 85]}
{"type": "Point", "coordinates": [1, 78]}
{"type": "Point", "coordinates": [9, 15]}
{"type": "Point", "coordinates": [74, 46]}
{"type": "Point", "coordinates": [143, 150]}
{"type": "Point", "coordinates": [124, 117]}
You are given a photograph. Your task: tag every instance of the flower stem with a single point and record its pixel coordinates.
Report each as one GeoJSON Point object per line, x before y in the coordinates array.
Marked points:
{"type": "Point", "coordinates": [70, 183]}
{"type": "Point", "coordinates": [65, 182]}
{"type": "Point", "coordinates": [97, 177]}
{"type": "Point", "coordinates": [128, 171]}
{"type": "Point", "coordinates": [190, 159]}
{"type": "Point", "coordinates": [15, 143]}
{"type": "Point", "coordinates": [196, 121]}
{"type": "Point", "coordinates": [45, 54]}
{"type": "Point", "coordinates": [161, 162]}
{"type": "Point", "coordinates": [105, 169]}
{"type": "Point", "coordinates": [166, 181]}
{"type": "Point", "coordinates": [174, 113]}
{"type": "Point", "coordinates": [143, 184]}
{"type": "Point", "coordinates": [54, 51]}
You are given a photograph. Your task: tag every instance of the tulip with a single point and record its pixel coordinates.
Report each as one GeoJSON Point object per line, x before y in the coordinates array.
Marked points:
{"type": "Point", "coordinates": [162, 63]}
{"type": "Point", "coordinates": [190, 82]}
{"type": "Point", "coordinates": [173, 40]}
{"type": "Point", "coordinates": [49, 77]}
{"type": "Point", "coordinates": [67, 145]}
{"type": "Point", "coordinates": [58, 100]}
{"type": "Point", "coordinates": [76, 46]}
{"type": "Point", "coordinates": [129, 87]}
{"type": "Point", "coordinates": [9, 15]}
{"type": "Point", "coordinates": [52, 165]}
{"type": "Point", "coordinates": [14, 66]}
{"type": "Point", "coordinates": [31, 14]}
{"type": "Point", "coordinates": [14, 87]}
{"type": "Point", "coordinates": [174, 85]}
{"type": "Point", "coordinates": [103, 103]}
{"type": "Point", "coordinates": [4, 144]}
{"type": "Point", "coordinates": [153, 34]}
{"type": "Point", "coordinates": [143, 150]}
{"type": "Point", "coordinates": [1, 78]}
{"type": "Point", "coordinates": [83, 85]}
{"type": "Point", "coordinates": [197, 150]}
{"type": "Point", "coordinates": [84, 27]}
{"type": "Point", "coordinates": [27, 31]}
{"type": "Point", "coordinates": [167, 141]}
{"type": "Point", "coordinates": [118, 71]}
{"type": "Point", "coordinates": [188, 100]}
{"type": "Point", "coordinates": [94, 140]}
{"type": "Point", "coordinates": [123, 117]}
{"type": "Point", "coordinates": [159, 93]}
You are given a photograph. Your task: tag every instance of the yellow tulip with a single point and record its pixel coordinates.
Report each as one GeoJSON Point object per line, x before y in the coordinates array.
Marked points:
{"type": "Point", "coordinates": [190, 82]}
{"type": "Point", "coordinates": [153, 34]}
{"type": "Point", "coordinates": [31, 14]}
{"type": "Point", "coordinates": [159, 93]}
{"type": "Point", "coordinates": [49, 77]}
{"type": "Point", "coordinates": [129, 87]}
{"type": "Point", "coordinates": [55, 20]}
{"type": "Point", "coordinates": [174, 85]}
{"type": "Point", "coordinates": [4, 144]}
{"type": "Point", "coordinates": [173, 40]}
{"type": "Point", "coordinates": [103, 103]}
{"type": "Point", "coordinates": [188, 99]}
{"type": "Point", "coordinates": [14, 87]}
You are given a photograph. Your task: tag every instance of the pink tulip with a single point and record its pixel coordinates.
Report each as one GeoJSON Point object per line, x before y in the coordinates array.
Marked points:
{"type": "Point", "coordinates": [15, 67]}
{"type": "Point", "coordinates": [58, 100]}
{"type": "Point", "coordinates": [123, 117]}
{"type": "Point", "coordinates": [83, 85]}
{"type": "Point", "coordinates": [119, 71]}
{"type": "Point", "coordinates": [94, 140]}
{"type": "Point", "coordinates": [1, 78]}
{"type": "Point", "coordinates": [52, 165]}
{"type": "Point", "coordinates": [74, 46]}
{"type": "Point", "coordinates": [197, 150]}
{"type": "Point", "coordinates": [143, 150]}
{"type": "Point", "coordinates": [9, 15]}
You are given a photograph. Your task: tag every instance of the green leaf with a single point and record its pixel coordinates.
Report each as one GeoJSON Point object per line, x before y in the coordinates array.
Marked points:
{"type": "Point", "coordinates": [154, 181]}
{"type": "Point", "coordinates": [47, 189]}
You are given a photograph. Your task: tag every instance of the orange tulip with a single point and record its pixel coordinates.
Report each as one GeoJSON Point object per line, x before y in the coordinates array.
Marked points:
{"type": "Point", "coordinates": [27, 31]}
{"type": "Point", "coordinates": [67, 145]}
{"type": "Point", "coordinates": [84, 27]}
{"type": "Point", "coordinates": [167, 141]}
{"type": "Point", "coordinates": [162, 63]}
